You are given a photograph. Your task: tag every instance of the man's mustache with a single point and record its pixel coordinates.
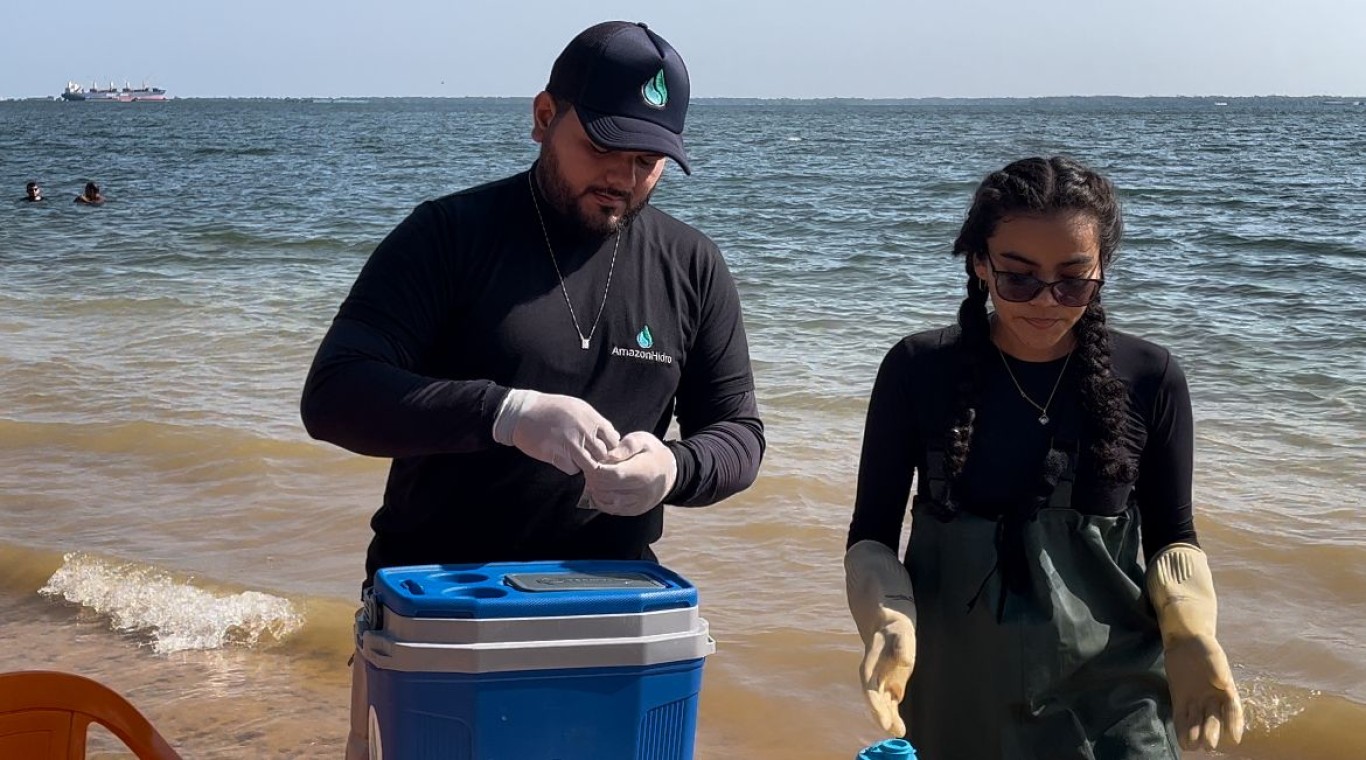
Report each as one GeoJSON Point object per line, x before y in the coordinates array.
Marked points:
{"type": "Point", "coordinates": [621, 194]}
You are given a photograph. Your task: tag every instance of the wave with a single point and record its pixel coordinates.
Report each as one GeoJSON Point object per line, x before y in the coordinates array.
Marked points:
{"type": "Point", "coordinates": [120, 305]}
{"type": "Point", "coordinates": [237, 239]}
{"type": "Point", "coordinates": [220, 151]}
{"type": "Point", "coordinates": [1274, 244]}
{"type": "Point", "coordinates": [172, 612]}
{"type": "Point", "coordinates": [175, 440]}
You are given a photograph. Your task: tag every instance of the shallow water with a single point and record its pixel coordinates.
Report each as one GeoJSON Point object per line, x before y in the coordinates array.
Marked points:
{"type": "Point", "coordinates": [152, 353]}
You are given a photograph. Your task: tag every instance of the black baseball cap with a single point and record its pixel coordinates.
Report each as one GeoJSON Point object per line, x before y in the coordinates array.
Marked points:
{"type": "Point", "coordinates": [628, 86]}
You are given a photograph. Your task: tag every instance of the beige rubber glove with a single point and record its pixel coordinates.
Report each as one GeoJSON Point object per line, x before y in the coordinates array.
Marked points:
{"type": "Point", "coordinates": [562, 431]}
{"type": "Point", "coordinates": [632, 478]}
{"type": "Point", "coordinates": [883, 606]}
{"type": "Point", "coordinates": [1205, 703]}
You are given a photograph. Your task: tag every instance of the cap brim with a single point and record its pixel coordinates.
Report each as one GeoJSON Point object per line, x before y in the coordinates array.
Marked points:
{"type": "Point", "coordinates": [626, 133]}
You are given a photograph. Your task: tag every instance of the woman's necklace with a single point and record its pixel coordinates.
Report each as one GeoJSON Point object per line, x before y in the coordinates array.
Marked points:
{"type": "Point", "coordinates": [1043, 410]}
{"type": "Point", "coordinates": [583, 339]}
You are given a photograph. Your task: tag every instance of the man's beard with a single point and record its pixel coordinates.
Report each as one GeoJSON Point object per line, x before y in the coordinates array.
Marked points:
{"type": "Point", "coordinates": [561, 198]}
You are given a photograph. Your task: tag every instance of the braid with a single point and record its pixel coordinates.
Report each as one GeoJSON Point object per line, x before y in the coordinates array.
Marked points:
{"type": "Point", "coordinates": [972, 319]}
{"type": "Point", "coordinates": [1104, 399]}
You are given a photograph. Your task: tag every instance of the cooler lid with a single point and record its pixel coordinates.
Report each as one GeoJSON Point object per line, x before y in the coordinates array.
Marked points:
{"type": "Point", "coordinates": [502, 657]}
{"type": "Point", "coordinates": [531, 589]}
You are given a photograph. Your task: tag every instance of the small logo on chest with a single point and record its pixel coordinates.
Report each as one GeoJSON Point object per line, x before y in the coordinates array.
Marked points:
{"type": "Point", "coordinates": [646, 341]}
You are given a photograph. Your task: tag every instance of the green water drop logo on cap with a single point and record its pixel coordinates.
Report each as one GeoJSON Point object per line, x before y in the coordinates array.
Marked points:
{"type": "Point", "coordinates": [644, 339]}
{"type": "Point", "coordinates": [655, 91]}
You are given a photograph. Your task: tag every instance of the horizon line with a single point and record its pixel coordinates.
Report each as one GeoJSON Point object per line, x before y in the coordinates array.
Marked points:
{"type": "Point", "coordinates": [715, 98]}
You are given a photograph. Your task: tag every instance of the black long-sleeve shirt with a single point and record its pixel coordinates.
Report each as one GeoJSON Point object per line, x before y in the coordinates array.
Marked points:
{"type": "Point", "coordinates": [461, 303]}
{"type": "Point", "coordinates": [911, 408]}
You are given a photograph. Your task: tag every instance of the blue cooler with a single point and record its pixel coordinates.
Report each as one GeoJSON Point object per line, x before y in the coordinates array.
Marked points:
{"type": "Point", "coordinates": [533, 661]}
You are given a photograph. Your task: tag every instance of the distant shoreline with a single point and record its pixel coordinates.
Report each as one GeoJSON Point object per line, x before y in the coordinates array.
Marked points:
{"type": "Point", "coordinates": [1229, 100]}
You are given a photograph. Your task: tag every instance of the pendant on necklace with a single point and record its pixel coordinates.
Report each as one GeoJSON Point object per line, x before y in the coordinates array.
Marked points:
{"type": "Point", "coordinates": [1043, 418]}
{"type": "Point", "coordinates": [583, 343]}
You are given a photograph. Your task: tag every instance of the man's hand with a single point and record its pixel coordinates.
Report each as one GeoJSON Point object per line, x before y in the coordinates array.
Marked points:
{"type": "Point", "coordinates": [562, 431]}
{"type": "Point", "coordinates": [632, 478]}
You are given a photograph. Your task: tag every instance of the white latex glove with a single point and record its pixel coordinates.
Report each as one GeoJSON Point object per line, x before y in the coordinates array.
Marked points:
{"type": "Point", "coordinates": [881, 601]}
{"type": "Point", "coordinates": [633, 478]}
{"type": "Point", "coordinates": [562, 431]}
{"type": "Point", "coordinates": [1205, 702]}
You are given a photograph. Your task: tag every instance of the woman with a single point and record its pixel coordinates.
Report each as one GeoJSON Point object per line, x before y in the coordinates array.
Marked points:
{"type": "Point", "coordinates": [92, 195]}
{"type": "Point", "coordinates": [1022, 615]}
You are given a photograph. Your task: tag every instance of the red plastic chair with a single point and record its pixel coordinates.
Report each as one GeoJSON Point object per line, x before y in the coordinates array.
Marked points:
{"type": "Point", "coordinates": [44, 715]}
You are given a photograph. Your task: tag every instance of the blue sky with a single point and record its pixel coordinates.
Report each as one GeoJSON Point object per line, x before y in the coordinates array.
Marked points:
{"type": "Point", "coordinates": [733, 48]}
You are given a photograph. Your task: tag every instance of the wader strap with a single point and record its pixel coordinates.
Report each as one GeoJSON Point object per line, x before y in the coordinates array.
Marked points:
{"type": "Point", "coordinates": [1055, 492]}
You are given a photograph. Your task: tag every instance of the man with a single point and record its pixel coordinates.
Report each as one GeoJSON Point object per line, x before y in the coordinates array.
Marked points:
{"type": "Point", "coordinates": [33, 193]}
{"type": "Point", "coordinates": [520, 348]}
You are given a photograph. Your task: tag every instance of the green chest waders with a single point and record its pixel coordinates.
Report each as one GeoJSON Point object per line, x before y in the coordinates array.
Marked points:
{"type": "Point", "coordinates": [1034, 638]}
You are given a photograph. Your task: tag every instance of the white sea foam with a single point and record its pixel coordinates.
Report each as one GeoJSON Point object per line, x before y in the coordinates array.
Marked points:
{"type": "Point", "coordinates": [174, 614]}
{"type": "Point", "coordinates": [1269, 705]}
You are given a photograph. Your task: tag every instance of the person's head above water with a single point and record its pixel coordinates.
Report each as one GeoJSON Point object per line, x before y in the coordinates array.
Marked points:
{"type": "Point", "coordinates": [1037, 242]}
{"type": "Point", "coordinates": [91, 195]}
{"type": "Point", "coordinates": [613, 110]}
{"type": "Point", "coordinates": [33, 192]}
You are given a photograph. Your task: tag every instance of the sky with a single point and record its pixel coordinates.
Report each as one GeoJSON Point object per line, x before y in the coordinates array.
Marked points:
{"type": "Point", "coordinates": [733, 48]}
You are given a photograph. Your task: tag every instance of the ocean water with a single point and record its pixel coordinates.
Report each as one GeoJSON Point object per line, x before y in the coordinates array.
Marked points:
{"type": "Point", "coordinates": [167, 527]}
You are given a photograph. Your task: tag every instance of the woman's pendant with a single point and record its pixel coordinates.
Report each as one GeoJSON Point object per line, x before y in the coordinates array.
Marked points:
{"type": "Point", "coordinates": [1043, 418]}
{"type": "Point", "coordinates": [583, 343]}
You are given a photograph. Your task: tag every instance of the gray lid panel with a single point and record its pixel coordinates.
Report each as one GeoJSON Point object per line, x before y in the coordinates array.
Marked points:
{"type": "Point", "coordinates": [468, 631]}
{"type": "Point", "coordinates": [386, 653]}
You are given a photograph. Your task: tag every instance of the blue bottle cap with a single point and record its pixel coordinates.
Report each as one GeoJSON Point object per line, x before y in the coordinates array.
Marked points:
{"type": "Point", "coordinates": [891, 749]}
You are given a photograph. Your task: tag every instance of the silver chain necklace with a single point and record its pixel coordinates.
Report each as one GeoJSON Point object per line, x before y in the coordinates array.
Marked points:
{"type": "Point", "coordinates": [1043, 410]}
{"type": "Point", "coordinates": [583, 339]}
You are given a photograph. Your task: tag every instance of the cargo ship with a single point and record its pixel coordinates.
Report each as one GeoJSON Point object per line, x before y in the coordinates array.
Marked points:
{"type": "Point", "coordinates": [112, 94]}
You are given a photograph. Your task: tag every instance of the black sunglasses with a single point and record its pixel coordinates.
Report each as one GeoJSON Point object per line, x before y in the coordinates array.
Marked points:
{"type": "Point", "coordinates": [1021, 288]}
